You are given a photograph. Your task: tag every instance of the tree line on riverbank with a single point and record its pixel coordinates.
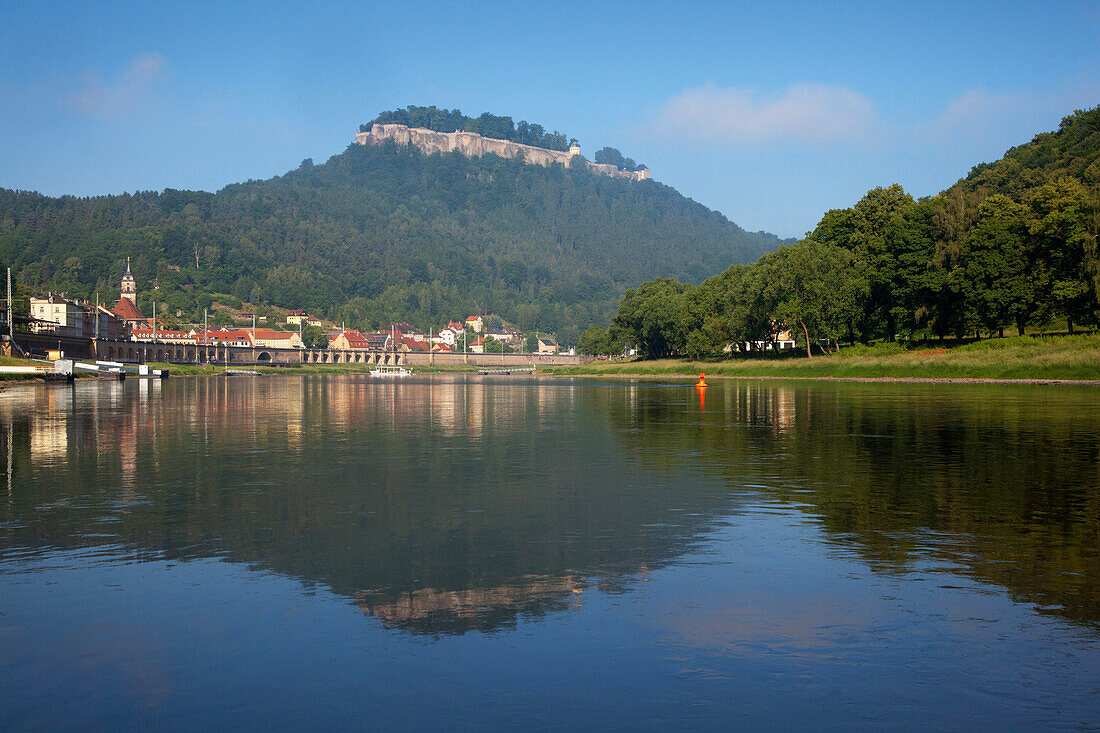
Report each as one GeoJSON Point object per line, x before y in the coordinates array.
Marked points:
{"type": "Point", "coordinates": [1011, 245]}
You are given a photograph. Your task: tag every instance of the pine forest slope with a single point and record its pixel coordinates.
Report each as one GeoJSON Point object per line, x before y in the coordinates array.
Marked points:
{"type": "Point", "coordinates": [381, 233]}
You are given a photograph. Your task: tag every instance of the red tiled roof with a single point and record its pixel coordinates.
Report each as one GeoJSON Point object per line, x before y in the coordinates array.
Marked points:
{"type": "Point", "coordinates": [127, 311]}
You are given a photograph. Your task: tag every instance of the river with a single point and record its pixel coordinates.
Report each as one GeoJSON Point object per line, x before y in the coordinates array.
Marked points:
{"type": "Point", "coordinates": [473, 553]}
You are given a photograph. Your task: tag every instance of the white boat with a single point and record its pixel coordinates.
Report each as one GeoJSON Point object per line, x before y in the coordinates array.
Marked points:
{"type": "Point", "coordinates": [383, 370]}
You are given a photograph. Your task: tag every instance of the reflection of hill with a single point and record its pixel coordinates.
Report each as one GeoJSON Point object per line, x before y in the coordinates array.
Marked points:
{"type": "Point", "coordinates": [459, 504]}
{"type": "Point", "coordinates": [1001, 481]}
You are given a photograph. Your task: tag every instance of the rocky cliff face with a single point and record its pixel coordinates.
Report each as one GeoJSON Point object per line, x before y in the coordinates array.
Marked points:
{"type": "Point", "coordinates": [474, 145]}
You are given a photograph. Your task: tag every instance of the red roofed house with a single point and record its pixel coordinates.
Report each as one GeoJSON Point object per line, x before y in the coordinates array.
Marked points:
{"type": "Point", "coordinates": [408, 343]}
{"type": "Point", "coordinates": [350, 339]}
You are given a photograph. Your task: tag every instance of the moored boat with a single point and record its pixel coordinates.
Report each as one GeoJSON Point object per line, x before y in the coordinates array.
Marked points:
{"type": "Point", "coordinates": [390, 370]}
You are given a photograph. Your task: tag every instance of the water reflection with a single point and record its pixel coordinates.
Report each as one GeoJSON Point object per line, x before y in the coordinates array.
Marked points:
{"type": "Point", "coordinates": [1001, 483]}
{"type": "Point", "coordinates": [453, 504]}
{"type": "Point", "coordinates": [438, 506]}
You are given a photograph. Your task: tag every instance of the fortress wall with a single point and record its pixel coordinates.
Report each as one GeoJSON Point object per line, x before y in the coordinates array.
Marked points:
{"type": "Point", "coordinates": [474, 145]}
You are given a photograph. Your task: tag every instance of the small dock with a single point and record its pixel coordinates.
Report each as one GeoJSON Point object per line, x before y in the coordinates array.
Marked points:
{"type": "Point", "coordinates": [523, 370]}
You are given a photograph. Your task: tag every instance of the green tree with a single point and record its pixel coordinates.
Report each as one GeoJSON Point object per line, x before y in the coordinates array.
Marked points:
{"type": "Point", "coordinates": [1063, 224]}
{"type": "Point", "coordinates": [995, 264]}
{"type": "Point", "coordinates": [813, 287]}
{"type": "Point", "coordinates": [599, 341]}
{"type": "Point", "coordinates": [314, 337]}
{"type": "Point", "coordinates": [651, 317]}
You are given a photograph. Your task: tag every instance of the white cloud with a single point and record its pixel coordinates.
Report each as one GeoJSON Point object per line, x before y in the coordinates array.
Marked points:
{"type": "Point", "coordinates": [975, 109]}
{"type": "Point", "coordinates": [1009, 118]}
{"type": "Point", "coordinates": [811, 113]}
{"type": "Point", "coordinates": [132, 91]}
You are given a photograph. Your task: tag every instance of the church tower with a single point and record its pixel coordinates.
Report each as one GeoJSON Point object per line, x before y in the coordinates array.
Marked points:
{"type": "Point", "coordinates": [129, 287]}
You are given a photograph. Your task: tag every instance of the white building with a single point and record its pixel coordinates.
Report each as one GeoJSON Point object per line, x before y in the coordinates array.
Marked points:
{"type": "Point", "coordinates": [70, 316]}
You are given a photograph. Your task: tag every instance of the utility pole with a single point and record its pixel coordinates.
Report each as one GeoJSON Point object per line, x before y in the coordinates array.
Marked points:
{"type": "Point", "coordinates": [205, 338]}
{"type": "Point", "coordinates": [11, 317]}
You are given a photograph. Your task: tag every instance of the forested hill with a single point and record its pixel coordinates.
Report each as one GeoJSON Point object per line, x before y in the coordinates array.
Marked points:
{"type": "Point", "coordinates": [1072, 151]}
{"type": "Point", "coordinates": [380, 233]}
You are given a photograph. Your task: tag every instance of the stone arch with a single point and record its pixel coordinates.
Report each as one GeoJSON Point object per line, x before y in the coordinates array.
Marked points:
{"type": "Point", "coordinates": [263, 356]}
{"type": "Point", "coordinates": [129, 354]}
{"type": "Point", "coordinates": [191, 355]}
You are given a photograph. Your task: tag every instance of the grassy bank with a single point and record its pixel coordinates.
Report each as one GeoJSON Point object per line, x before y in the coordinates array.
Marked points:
{"type": "Point", "coordinates": [1062, 357]}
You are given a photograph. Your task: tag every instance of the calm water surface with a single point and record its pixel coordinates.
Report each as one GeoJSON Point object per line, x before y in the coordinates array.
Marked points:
{"type": "Point", "coordinates": [479, 553]}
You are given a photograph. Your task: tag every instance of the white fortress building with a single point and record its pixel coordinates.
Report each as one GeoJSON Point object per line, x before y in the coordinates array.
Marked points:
{"type": "Point", "coordinates": [474, 145]}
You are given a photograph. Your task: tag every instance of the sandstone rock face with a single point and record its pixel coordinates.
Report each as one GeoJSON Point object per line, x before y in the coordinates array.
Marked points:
{"type": "Point", "coordinates": [474, 145]}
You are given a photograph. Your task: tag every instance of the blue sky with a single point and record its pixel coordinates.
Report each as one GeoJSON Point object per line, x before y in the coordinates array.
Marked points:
{"type": "Point", "coordinates": [771, 113]}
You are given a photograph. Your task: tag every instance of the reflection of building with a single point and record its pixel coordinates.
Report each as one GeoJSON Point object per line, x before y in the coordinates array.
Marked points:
{"type": "Point", "coordinates": [49, 439]}
{"type": "Point", "coordinates": [456, 608]}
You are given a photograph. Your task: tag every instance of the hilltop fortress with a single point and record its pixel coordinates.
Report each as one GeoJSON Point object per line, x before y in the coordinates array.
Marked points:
{"type": "Point", "coordinates": [474, 145]}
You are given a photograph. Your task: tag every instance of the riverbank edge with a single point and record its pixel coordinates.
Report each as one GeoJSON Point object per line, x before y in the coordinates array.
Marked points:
{"type": "Point", "coordinates": [782, 378]}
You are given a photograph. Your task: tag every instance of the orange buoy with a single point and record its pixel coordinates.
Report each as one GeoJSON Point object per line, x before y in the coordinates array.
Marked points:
{"type": "Point", "coordinates": [702, 380]}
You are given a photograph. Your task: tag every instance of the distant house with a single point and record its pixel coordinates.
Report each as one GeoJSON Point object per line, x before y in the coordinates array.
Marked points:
{"type": "Point", "coordinates": [269, 338]}
{"type": "Point", "coordinates": [108, 325]}
{"type": "Point", "coordinates": [475, 324]}
{"type": "Point", "coordinates": [547, 345]}
{"type": "Point", "coordinates": [478, 347]}
{"type": "Point", "coordinates": [61, 315]}
{"type": "Point", "coordinates": [408, 343]}
{"type": "Point", "coordinates": [500, 334]}
{"type": "Point", "coordinates": [449, 335]}
{"type": "Point", "coordinates": [351, 339]}
{"type": "Point", "coordinates": [442, 348]}
{"type": "Point", "coordinates": [296, 317]}
{"type": "Point", "coordinates": [260, 338]}
{"type": "Point", "coordinates": [222, 337]}
{"type": "Point", "coordinates": [407, 329]}
{"type": "Point", "coordinates": [783, 341]}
